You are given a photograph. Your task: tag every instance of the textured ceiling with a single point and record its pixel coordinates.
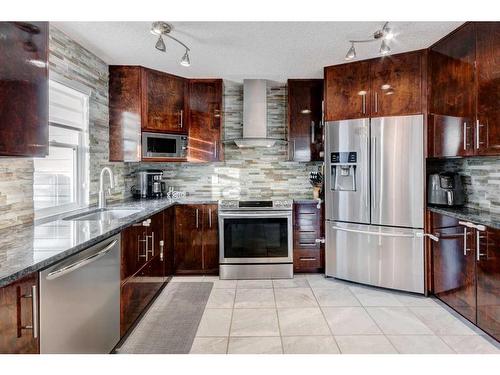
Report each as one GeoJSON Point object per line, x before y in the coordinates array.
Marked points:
{"type": "Point", "coordinates": [237, 50]}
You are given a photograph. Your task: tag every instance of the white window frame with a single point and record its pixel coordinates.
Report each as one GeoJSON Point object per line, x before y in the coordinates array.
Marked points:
{"type": "Point", "coordinates": [81, 160]}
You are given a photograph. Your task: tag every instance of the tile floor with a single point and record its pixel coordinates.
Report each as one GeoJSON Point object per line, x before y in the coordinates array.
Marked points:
{"type": "Point", "coordinates": [314, 314]}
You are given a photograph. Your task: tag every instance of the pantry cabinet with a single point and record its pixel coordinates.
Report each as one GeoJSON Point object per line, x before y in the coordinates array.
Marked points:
{"type": "Point", "coordinates": [466, 270]}
{"type": "Point", "coordinates": [18, 316]}
{"type": "Point", "coordinates": [196, 239]}
{"type": "Point", "coordinates": [308, 234]}
{"type": "Point", "coordinates": [305, 119]}
{"type": "Point", "coordinates": [24, 89]}
{"type": "Point", "coordinates": [464, 92]}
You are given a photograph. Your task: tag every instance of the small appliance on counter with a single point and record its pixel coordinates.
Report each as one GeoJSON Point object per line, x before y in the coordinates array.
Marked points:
{"type": "Point", "coordinates": [149, 184]}
{"type": "Point", "coordinates": [445, 189]}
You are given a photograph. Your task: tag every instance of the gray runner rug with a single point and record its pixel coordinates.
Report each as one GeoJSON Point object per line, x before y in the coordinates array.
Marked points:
{"type": "Point", "coordinates": [170, 324]}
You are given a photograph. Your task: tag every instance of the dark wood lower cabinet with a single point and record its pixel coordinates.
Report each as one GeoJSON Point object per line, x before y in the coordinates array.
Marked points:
{"type": "Point", "coordinates": [16, 317]}
{"type": "Point", "coordinates": [488, 282]}
{"type": "Point", "coordinates": [196, 239]}
{"type": "Point", "coordinates": [466, 270]}
{"type": "Point", "coordinates": [308, 254]}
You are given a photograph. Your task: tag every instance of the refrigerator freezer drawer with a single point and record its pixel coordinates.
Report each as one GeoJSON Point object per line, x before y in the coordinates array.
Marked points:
{"type": "Point", "coordinates": [380, 256]}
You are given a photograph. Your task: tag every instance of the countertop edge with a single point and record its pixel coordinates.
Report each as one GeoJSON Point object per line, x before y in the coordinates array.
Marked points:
{"type": "Point", "coordinates": [474, 215]}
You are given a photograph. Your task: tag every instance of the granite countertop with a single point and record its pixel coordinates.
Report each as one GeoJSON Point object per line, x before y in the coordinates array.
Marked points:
{"type": "Point", "coordinates": [473, 215]}
{"type": "Point", "coordinates": [29, 248]}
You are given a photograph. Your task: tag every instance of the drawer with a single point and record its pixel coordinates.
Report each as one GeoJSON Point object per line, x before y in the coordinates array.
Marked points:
{"type": "Point", "coordinates": [306, 260]}
{"type": "Point", "coordinates": [306, 239]}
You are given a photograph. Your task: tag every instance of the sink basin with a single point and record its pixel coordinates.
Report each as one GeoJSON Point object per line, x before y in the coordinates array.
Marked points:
{"type": "Point", "coordinates": [104, 214]}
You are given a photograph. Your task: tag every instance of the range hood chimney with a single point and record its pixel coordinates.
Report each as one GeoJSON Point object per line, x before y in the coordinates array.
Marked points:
{"type": "Point", "coordinates": [255, 115]}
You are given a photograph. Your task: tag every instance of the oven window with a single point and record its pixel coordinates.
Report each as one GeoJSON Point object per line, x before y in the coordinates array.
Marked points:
{"type": "Point", "coordinates": [162, 145]}
{"type": "Point", "coordinates": [255, 238]}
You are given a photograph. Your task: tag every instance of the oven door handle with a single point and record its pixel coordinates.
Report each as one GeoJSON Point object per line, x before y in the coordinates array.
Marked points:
{"type": "Point", "coordinates": [259, 214]}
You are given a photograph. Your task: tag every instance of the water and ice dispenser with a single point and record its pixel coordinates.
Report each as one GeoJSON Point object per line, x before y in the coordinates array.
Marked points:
{"type": "Point", "coordinates": [343, 171]}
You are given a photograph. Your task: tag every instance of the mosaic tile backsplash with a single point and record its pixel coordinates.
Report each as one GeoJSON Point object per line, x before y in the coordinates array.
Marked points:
{"type": "Point", "coordinates": [250, 172]}
{"type": "Point", "coordinates": [480, 176]}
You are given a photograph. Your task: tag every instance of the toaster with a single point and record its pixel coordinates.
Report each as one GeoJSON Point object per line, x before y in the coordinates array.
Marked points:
{"type": "Point", "coordinates": [445, 189]}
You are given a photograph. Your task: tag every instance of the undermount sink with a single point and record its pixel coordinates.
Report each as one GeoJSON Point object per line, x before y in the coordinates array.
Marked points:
{"type": "Point", "coordinates": [104, 214]}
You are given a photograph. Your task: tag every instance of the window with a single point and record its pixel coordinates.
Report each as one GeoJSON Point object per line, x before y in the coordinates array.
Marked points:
{"type": "Point", "coordinates": [61, 178]}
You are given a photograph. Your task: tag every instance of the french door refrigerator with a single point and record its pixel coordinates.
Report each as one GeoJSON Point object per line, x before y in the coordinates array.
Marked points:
{"type": "Point", "coordinates": [374, 198]}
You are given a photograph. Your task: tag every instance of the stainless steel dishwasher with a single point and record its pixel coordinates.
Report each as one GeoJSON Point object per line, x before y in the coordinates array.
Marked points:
{"type": "Point", "coordinates": [80, 301]}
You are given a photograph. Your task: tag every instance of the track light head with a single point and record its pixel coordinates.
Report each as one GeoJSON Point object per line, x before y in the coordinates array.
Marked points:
{"type": "Point", "coordinates": [185, 61]}
{"type": "Point", "coordinates": [351, 54]}
{"type": "Point", "coordinates": [384, 48]}
{"type": "Point", "coordinates": [160, 45]}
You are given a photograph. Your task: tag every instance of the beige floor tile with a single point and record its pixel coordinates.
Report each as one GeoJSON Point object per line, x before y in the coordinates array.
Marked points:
{"type": "Point", "coordinates": [255, 284]}
{"type": "Point", "coordinates": [295, 297]}
{"type": "Point", "coordinates": [254, 298]}
{"type": "Point", "coordinates": [215, 322]}
{"type": "Point", "coordinates": [335, 297]}
{"type": "Point", "coordinates": [398, 321]}
{"type": "Point", "coordinates": [296, 282]}
{"type": "Point", "coordinates": [319, 281]}
{"type": "Point", "coordinates": [420, 344]}
{"type": "Point", "coordinates": [307, 321]}
{"type": "Point", "coordinates": [187, 279]}
{"type": "Point", "coordinates": [470, 344]}
{"type": "Point", "coordinates": [309, 345]}
{"type": "Point", "coordinates": [374, 297]}
{"type": "Point", "coordinates": [441, 322]}
{"type": "Point", "coordinates": [371, 344]}
{"type": "Point", "coordinates": [255, 345]}
{"type": "Point", "coordinates": [255, 322]}
{"type": "Point", "coordinates": [221, 298]}
{"type": "Point", "coordinates": [350, 321]}
{"type": "Point", "coordinates": [209, 345]}
{"type": "Point", "coordinates": [225, 284]}
{"type": "Point", "coordinates": [410, 300]}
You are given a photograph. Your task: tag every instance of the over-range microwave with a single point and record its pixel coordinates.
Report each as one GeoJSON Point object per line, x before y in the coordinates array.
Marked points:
{"type": "Point", "coordinates": [161, 145]}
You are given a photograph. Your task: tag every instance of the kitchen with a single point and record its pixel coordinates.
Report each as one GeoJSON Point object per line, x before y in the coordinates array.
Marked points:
{"type": "Point", "coordinates": [175, 208]}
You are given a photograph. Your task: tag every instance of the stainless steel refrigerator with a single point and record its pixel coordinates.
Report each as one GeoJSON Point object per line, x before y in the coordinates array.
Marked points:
{"type": "Point", "coordinates": [374, 196]}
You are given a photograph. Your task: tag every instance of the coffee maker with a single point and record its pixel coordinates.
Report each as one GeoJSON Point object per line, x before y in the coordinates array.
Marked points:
{"type": "Point", "coordinates": [445, 189]}
{"type": "Point", "coordinates": [149, 184]}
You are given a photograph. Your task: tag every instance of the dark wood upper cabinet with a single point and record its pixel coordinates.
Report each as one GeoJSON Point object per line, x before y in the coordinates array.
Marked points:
{"type": "Point", "coordinates": [24, 90]}
{"type": "Point", "coordinates": [488, 87]}
{"type": "Point", "coordinates": [488, 281]}
{"type": "Point", "coordinates": [454, 265]}
{"type": "Point", "coordinates": [396, 84]}
{"type": "Point", "coordinates": [205, 120]}
{"type": "Point", "coordinates": [346, 91]}
{"type": "Point", "coordinates": [163, 102]}
{"type": "Point", "coordinates": [16, 317]}
{"type": "Point", "coordinates": [305, 126]}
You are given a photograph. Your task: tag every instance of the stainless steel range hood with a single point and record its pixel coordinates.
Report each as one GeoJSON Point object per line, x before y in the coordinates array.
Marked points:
{"type": "Point", "coordinates": [255, 115]}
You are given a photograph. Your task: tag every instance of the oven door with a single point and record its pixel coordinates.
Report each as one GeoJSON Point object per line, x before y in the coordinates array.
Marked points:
{"type": "Point", "coordinates": [255, 237]}
{"type": "Point", "coordinates": [157, 145]}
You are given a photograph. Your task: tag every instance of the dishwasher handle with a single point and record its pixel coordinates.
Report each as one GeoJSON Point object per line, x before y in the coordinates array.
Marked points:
{"type": "Point", "coordinates": [74, 266]}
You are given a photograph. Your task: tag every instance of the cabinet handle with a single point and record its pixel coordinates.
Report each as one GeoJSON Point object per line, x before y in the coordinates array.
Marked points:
{"type": "Point", "coordinates": [215, 150]}
{"type": "Point", "coordinates": [181, 120]}
{"type": "Point", "coordinates": [466, 233]}
{"type": "Point", "coordinates": [307, 258]}
{"type": "Point", "coordinates": [293, 150]}
{"type": "Point", "coordinates": [139, 242]}
{"type": "Point", "coordinates": [197, 211]}
{"type": "Point", "coordinates": [313, 140]}
{"type": "Point", "coordinates": [363, 103]}
{"type": "Point", "coordinates": [152, 244]}
{"type": "Point", "coordinates": [478, 245]}
{"type": "Point", "coordinates": [161, 250]}
{"type": "Point", "coordinates": [210, 217]}
{"type": "Point", "coordinates": [376, 102]}
{"type": "Point", "coordinates": [319, 240]}
{"type": "Point", "coordinates": [34, 313]}
{"type": "Point", "coordinates": [465, 136]}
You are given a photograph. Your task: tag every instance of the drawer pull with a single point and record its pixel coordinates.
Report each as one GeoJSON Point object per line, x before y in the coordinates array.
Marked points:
{"type": "Point", "coordinates": [307, 258]}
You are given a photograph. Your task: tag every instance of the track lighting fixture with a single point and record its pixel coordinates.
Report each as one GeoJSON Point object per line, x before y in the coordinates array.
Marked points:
{"type": "Point", "coordinates": [162, 29]}
{"type": "Point", "coordinates": [385, 34]}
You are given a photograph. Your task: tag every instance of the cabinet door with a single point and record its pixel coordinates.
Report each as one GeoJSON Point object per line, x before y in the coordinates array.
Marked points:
{"type": "Point", "coordinates": [210, 239]}
{"type": "Point", "coordinates": [452, 93]}
{"type": "Point", "coordinates": [169, 240]}
{"type": "Point", "coordinates": [17, 317]}
{"type": "Point", "coordinates": [156, 247]}
{"type": "Point", "coordinates": [125, 113]}
{"type": "Point", "coordinates": [24, 95]}
{"type": "Point", "coordinates": [163, 102]}
{"type": "Point", "coordinates": [488, 85]}
{"type": "Point", "coordinates": [305, 99]}
{"type": "Point", "coordinates": [347, 91]}
{"type": "Point", "coordinates": [488, 281]}
{"type": "Point", "coordinates": [454, 266]}
{"type": "Point", "coordinates": [205, 118]}
{"type": "Point", "coordinates": [396, 83]}
{"type": "Point", "coordinates": [188, 239]}
{"type": "Point", "coordinates": [306, 229]}
{"type": "Point", "coordinates": [135, 249]}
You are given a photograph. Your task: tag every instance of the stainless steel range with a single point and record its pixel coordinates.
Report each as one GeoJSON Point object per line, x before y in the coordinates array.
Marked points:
{"type": "Point", "coordinates": [255, 239]}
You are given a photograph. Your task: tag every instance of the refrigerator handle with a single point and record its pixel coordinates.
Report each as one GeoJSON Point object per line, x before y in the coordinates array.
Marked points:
{"type": "Point", "coordinates": [374, 170]}
{"type": "Point", "coordinates": [367, 183]}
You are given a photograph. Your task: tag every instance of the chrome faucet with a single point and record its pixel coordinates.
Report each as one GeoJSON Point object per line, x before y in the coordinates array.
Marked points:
{"type": "Point", "coordinates": [102, 195]}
